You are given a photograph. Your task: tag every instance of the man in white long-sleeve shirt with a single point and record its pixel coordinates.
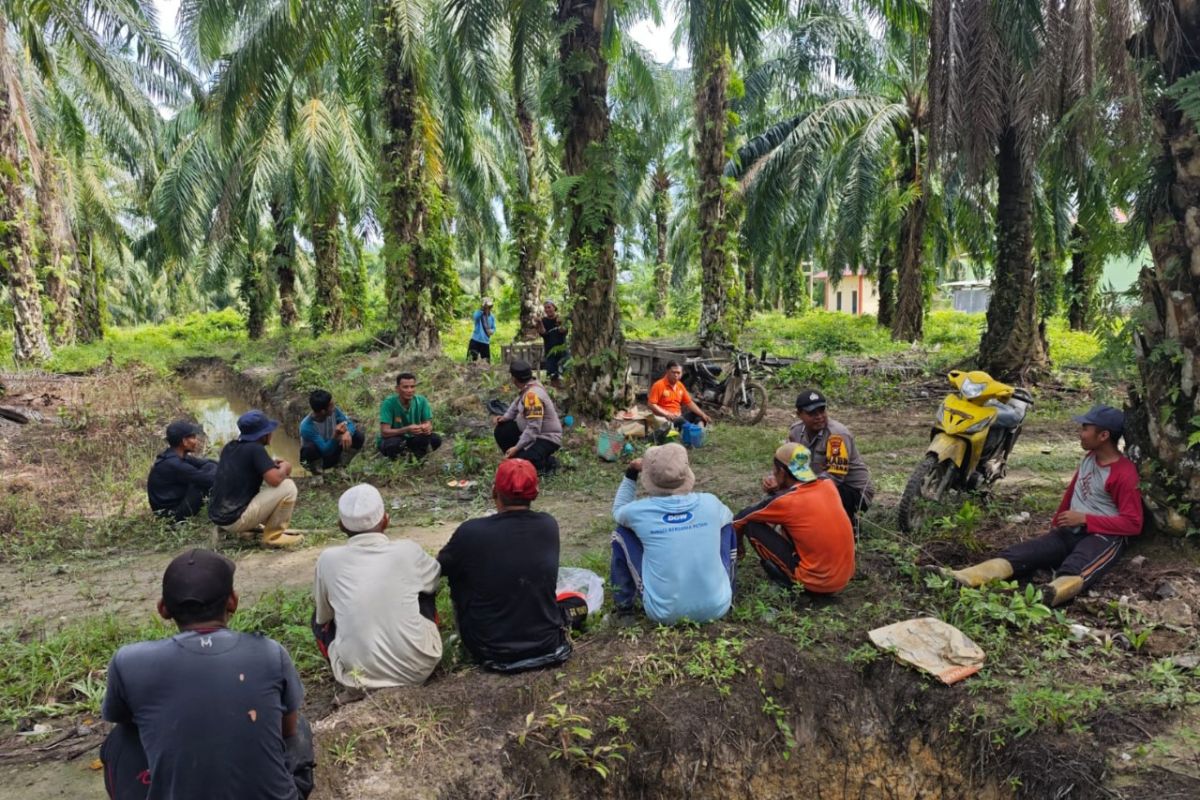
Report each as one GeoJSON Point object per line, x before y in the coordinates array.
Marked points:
{"type": "Point", "coordinates": [530, 428]}
{"type": "Point", "coordinates": [374, 599]}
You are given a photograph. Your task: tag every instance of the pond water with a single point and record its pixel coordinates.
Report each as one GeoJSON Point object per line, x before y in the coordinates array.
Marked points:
{"type": "Point", "coordinates": [217, 409]}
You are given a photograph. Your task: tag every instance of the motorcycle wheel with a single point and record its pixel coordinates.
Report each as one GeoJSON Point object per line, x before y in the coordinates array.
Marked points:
{"type": "Point", "coordinates": [751, 410]}
{"type": "Point", "coordinates": [927, 484]}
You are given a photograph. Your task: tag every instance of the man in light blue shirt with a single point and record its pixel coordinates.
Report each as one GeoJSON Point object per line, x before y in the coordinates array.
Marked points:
{"type": "Point", "coordinates": [674, 548]}
{"type": "Point", "coordinates": [480, 346]}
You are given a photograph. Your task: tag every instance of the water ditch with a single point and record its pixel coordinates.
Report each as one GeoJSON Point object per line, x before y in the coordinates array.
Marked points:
{"type": "Point", "coordinates": [217, 404]}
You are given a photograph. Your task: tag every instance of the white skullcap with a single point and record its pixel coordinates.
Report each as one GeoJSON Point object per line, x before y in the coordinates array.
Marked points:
{"type": "Point", "coordinates": [360, 508]}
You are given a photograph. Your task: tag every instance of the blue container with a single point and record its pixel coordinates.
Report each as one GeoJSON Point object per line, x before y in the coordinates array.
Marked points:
{"type": "Point", "coordinates": [692, 435]}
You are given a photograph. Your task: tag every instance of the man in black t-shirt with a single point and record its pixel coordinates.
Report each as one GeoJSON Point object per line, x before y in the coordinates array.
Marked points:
{"type": "Point", "coordinates": [503, 572]}
{"type": "Point", "coordinates": [180, 480]}
{"type": "Point", "coordinates": [553, 330]}
{"type": "Point", "coordinates": [210, 713]}
{"type": "Point", "coordinates": [240, 504]}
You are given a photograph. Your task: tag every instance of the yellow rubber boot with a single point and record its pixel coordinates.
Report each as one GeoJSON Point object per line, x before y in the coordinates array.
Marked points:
{"type": "Point", "coordinates": [1062, 590]}
{"type": "Point", "coordinates": [994, 569]}
{"type": "Point", "coordinates": [281, 539]}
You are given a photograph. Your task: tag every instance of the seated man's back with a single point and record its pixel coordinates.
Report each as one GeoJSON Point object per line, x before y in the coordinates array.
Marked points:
{"type": "Point", "coordinates": [370, 588]}
{"type": "Point", "coordinates": [208, 706]}
{"type": "Point", "coordinates": [503, 572]}
{"type": "Point", "coordinates": [682, 572]}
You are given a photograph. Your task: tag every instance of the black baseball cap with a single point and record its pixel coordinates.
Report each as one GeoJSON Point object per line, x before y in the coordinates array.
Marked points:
{"type": "Point", "coordinates": [198, 576]}
{"type": "Point", "coordinates": [180, 429]}
{"type": "Point", "coordinates": [521, 370]}
{"type": "Point", "coordinates": [810, 400]}
{"type": "Point", "coordinates": [1106, 417]}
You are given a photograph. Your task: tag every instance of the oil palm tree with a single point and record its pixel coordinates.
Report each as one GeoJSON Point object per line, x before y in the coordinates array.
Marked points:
{"type": "Point", "coordinates": [716, 33]}
{"type": "Point", "coordinates": [1164, 422]}
{"type": "Point", "coordinates": [1017, 67]}
{"type": "Point", "coordinates": [105, 42]}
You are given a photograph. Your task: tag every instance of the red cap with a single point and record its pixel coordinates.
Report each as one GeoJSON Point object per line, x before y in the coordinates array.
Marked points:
{"type": "Point", "coordinates": [516, 479]}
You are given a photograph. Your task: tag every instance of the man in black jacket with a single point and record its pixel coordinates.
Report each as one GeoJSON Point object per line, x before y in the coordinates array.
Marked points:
{"type": "Point", "coordinates": [180, 481]}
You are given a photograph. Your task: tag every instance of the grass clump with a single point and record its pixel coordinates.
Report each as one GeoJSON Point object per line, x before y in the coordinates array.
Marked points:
{"type": "Point", "coordinates": [57, 673]}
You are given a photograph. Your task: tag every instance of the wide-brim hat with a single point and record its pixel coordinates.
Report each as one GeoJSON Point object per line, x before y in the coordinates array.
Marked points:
{"type": "Point", "coordinates": [254, 424]}
{"type": "Point", "coordinates": [665, 471]}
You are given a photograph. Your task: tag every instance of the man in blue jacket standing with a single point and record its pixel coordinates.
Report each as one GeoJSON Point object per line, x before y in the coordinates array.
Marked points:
{"type": "Point", "coordinates": [673, 549]}
{"type": "Point", "coordinates": [328, 437]}
{"type": "Point", "coordinates": [480, 346]}
{"type": "Point", "coordinates": [180, 480]}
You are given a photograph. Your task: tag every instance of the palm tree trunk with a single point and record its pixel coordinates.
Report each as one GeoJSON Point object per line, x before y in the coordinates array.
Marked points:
{"type": "Point", "coordinates": [908, 324]}
{"type": "Point", "coordinates": [16, 264]}
{"type": "Point", "coordinates": [885, 273]}
{"type": "Point", "coordinates": [283, 261]}
{"type": "Point", "coordinates": [253, 291]}
{"type": "Point", "coordinates": [1083, 278]}
{"type": "Point", "coordinates": [405, 205]}
{"type": "Point", "coordinates": [485, 277]}
{"type": "Point", "coordinates": [662, 210]}
{"type": "Point", "coordinates": [1163, 424]}
{"type": "Point", "coordinates": [598, 378]}
{"type": "Point", "coordinates": [90, 321]}
{"type": "Point", "coordinates": [61, 258]}
{"type": "Point", "coordinates": [328, 309]}
{"type": "Point", "coordinates": [712, 81]}
{"type": "Point", "coordinates": [529, 225]}
{"type": "Point", "coordinates": [1011, 348]}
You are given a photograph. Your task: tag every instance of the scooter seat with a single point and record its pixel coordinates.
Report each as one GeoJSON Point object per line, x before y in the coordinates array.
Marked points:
{"type": "Point", "coordinates": [1010, 414]}
{"type": "Point", "coordinates": [712, 369]}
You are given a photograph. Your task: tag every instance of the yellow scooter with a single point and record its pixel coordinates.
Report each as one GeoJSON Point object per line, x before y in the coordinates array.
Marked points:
{"type": "Point", "coordinates": [972, 437]}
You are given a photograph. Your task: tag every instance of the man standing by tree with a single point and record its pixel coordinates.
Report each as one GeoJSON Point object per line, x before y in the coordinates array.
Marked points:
{"type": "Point", "coordinates": [1099, 512]}
{"type": "Point", "coordinates": [553, 331]}
{"type": "Point", "coordinates": [406, 421]}
{"type": "Point", "coordinates": [529, 429]}
{"type": "Point", "coordinates": [480, 346]}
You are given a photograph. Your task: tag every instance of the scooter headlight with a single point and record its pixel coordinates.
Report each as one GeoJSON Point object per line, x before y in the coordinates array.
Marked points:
{"type": "Point", "coordinates": [970, 389]}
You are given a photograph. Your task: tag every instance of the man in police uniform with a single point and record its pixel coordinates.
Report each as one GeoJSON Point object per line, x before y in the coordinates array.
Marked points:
{"type": "Point", "coordinates": [530, 428]}
{"type": "Point", "coordinates": [834, 453]}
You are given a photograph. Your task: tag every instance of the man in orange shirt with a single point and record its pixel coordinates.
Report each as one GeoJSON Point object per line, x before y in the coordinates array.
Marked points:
{"type": "Point", "coordinates": [801, 532]}
{"type": "Point", "coordinates": [670, 398]}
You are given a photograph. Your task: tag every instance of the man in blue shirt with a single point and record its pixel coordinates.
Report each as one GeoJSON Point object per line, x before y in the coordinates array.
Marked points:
{"type": "Point", "coordinates": [209, 712]}
{"type": "Point", "coordinates": [328, 437]}
{"type": "Point", "coordinates": [480, 346]}
{"type": "Point", "coordinates": [674, 548]}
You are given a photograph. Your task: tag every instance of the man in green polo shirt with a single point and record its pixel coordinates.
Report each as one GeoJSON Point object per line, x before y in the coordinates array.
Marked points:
{"type": "Point", "coordinates": [406, 421]}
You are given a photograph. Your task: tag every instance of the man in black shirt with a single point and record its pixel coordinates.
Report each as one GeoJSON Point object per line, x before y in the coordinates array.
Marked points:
{"type": "Point", "coordinates": [503, 571]}
{"type": "Point", "coordinates": [180, 481]}
{"type": "Point", "coordinates": [240, 503]}
{"type": "Point", "coordinates": [553, 331]}
{"type": "Point", "coordinates": [209, 712]}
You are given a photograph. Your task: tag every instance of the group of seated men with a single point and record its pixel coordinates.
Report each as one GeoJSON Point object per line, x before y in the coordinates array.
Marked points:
{"type": "Point", "coordinates": [674, 553]}
{"type": "Point", "coordinates": [181, 479]}
{"type": "Point", "coordinates": [375, 619]}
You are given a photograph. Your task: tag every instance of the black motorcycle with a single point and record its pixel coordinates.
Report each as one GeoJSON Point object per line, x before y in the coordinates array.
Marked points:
{"type": "Point", "coordinates": [735, 391]}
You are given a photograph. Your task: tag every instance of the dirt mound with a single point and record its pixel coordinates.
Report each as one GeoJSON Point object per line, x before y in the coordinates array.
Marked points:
{"type": "Point", "coordinates": [715, 718]}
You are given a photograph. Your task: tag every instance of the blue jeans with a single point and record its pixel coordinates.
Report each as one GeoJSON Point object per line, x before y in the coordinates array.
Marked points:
{"type": "Point", "coordinates": [625, 569]}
